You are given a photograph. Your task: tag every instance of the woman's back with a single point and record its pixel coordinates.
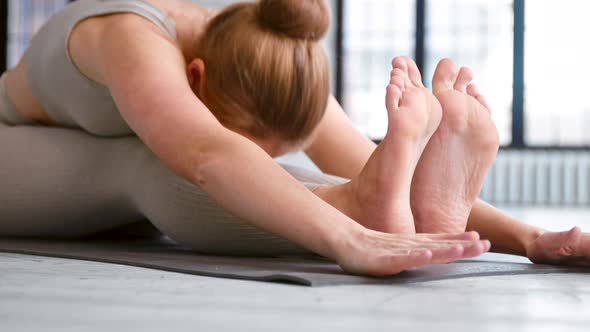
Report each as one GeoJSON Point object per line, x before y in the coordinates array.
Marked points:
{"type": "Point", "coordinates": [57, 81]}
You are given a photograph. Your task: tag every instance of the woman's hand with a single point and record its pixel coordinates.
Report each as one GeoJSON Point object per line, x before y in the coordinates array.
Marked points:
{"type": "Point", "coordinates": [380, 254]}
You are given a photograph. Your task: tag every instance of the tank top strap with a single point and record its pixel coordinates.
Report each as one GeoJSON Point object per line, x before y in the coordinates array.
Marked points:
{"type": "Point", "coordinates": [67, 96]}
{"type": "Point", "coordinates": [140, 7]}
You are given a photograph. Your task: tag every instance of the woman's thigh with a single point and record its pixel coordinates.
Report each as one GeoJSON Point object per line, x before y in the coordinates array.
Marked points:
{"type": "Point", "coordinates": [66, 183]}
{"type": "Point", "coordinates": [62, 182]}
{"type": "Point", "coordinates": [188, 215]}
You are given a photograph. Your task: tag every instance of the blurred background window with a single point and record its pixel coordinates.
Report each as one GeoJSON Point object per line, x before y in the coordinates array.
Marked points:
{"type": "Point", "coordinates": [477, 34]}
{"type": "Point", "coordinates": [556, 72]}
{"type": "Point", "coordinates": [25, 17]}
{"type": "Point", "coordinates": [373, 31]}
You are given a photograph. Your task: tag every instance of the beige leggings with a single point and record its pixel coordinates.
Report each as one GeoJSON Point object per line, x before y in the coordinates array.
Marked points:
{"type": "Point", "coordinates": [57, 182]}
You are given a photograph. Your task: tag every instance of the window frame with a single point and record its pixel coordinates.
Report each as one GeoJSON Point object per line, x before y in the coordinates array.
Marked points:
{"type": "Point", "coordinates": [518, 125]}
{"type": "Point", "coordinates": [3, 35]}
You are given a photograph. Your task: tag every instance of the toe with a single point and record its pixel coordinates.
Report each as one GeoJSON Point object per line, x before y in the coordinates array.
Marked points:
{"type": "Point", "coordinates": [573, 236]}
{"type": "Point", "coordinates": [401, 64]}
{"type": "Point", "coordinates": [463, 79]}
{"type": "Point", "coordinates": [584, 246]}
{"type": "Point", "coordinates": [569, 244]}
{"type": "Point", "coordinates": [413, 72]}
{"type": "Point", "coordinates": [392, 97]}
{"type": "Point", "coordinates": [473, 91]}
{"type": "Point", "coordinates": [397, 78]}
{"type": "Point", "coordinates": [445, 76]}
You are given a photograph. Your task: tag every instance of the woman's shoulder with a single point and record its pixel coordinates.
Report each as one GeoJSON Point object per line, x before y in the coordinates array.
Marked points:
{"type": "Point", "coordinates": [95, 44]}
{"type": "Point", "coordinates": [124, 24]}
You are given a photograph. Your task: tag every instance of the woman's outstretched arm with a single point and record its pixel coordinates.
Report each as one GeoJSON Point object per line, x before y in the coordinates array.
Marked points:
{"type": "Point", "coordinates": [146, 75]}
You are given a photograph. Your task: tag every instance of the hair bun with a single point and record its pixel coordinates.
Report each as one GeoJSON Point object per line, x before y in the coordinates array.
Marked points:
{"type": "Point", "coordinates": [299, 19]}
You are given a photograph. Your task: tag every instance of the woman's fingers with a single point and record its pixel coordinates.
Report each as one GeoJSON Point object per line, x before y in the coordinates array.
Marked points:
{"type": "Point", "coordinates": [476, 249]}
{"type": "Point", "coordinates": [387, 254]}
{"type": "Point", "coordinates": [459, 236]}
{"type": "Point", "coordinates": [469, 241]}
{"type": "Point", "coordinates": [445, 253]}
{"type": "Point", "coordinates": [440, 253]}
{"type": "Point", "coordinates": [402, 261]}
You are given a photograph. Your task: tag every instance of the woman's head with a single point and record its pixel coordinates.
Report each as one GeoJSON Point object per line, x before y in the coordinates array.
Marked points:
{"type": "Point", "coordinates": [265, 72]}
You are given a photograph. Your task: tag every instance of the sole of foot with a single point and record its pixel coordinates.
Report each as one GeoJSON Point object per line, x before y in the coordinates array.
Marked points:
{"type": "Point", "coordinates": [452, 169]}
{"type": "Point", "coordinates": [382, 190]}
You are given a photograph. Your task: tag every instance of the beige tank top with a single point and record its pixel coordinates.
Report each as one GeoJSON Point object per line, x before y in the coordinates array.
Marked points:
{"type": "Point", "coordinates": [70, 98]}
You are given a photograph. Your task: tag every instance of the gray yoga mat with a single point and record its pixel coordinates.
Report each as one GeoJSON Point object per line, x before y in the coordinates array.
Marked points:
{"type": "Point", "coordinates": [163, 254]}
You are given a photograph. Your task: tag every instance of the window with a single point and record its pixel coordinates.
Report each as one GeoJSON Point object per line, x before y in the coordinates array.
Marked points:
{"type": "Point", "coordinates": [477, 34]}
{"type": "Point", "coordinates": [374, 31]}
{"type": "Point", "coordinates": [513, 67]}
{"type": "Point", "coordinates": [556, 72]}
{"type": "Point", "coordinates": [25, 17]}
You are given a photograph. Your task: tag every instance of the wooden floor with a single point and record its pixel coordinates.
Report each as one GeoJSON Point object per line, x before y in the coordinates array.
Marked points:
{"type": "Point", "coordinates": [48, 294]}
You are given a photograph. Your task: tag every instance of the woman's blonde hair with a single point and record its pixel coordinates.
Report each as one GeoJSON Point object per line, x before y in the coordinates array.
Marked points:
{"type": "Point", "coordinates": [266, 72]}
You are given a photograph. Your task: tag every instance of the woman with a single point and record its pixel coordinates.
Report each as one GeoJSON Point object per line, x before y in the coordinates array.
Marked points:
{"type": "Point", "coordinates": [212, 97]}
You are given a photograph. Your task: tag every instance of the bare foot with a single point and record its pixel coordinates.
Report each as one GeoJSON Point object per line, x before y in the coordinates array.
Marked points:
{"type": "Point", "coordinates": [565, 248]}
{"type": "Point", "coordinates": [381, 193]}
{"type": "Point", "coordinates": [451, 171]}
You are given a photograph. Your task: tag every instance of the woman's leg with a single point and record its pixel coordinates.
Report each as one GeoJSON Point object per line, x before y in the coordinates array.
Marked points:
{"type": "Point", "coordinates": [184, 212]}
{"type": "Point", "coordinates": [59, 182]}
{"type": "Point", "coordinates": [62, 183]}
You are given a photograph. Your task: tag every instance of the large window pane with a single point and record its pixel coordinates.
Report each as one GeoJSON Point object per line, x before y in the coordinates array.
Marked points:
{"type": "Point", "coordinates": [374, 32]}
{"type": "Point", "coordinates": [478, 34]}
{"type": "Point", "coordinates": [557, 107]}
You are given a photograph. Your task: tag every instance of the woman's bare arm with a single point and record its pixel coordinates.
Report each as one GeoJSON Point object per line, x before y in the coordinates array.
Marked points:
{"type": "Point", "coordinates": [146, 76]}
{"type": "Point", "coordinates": [150, 87]}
